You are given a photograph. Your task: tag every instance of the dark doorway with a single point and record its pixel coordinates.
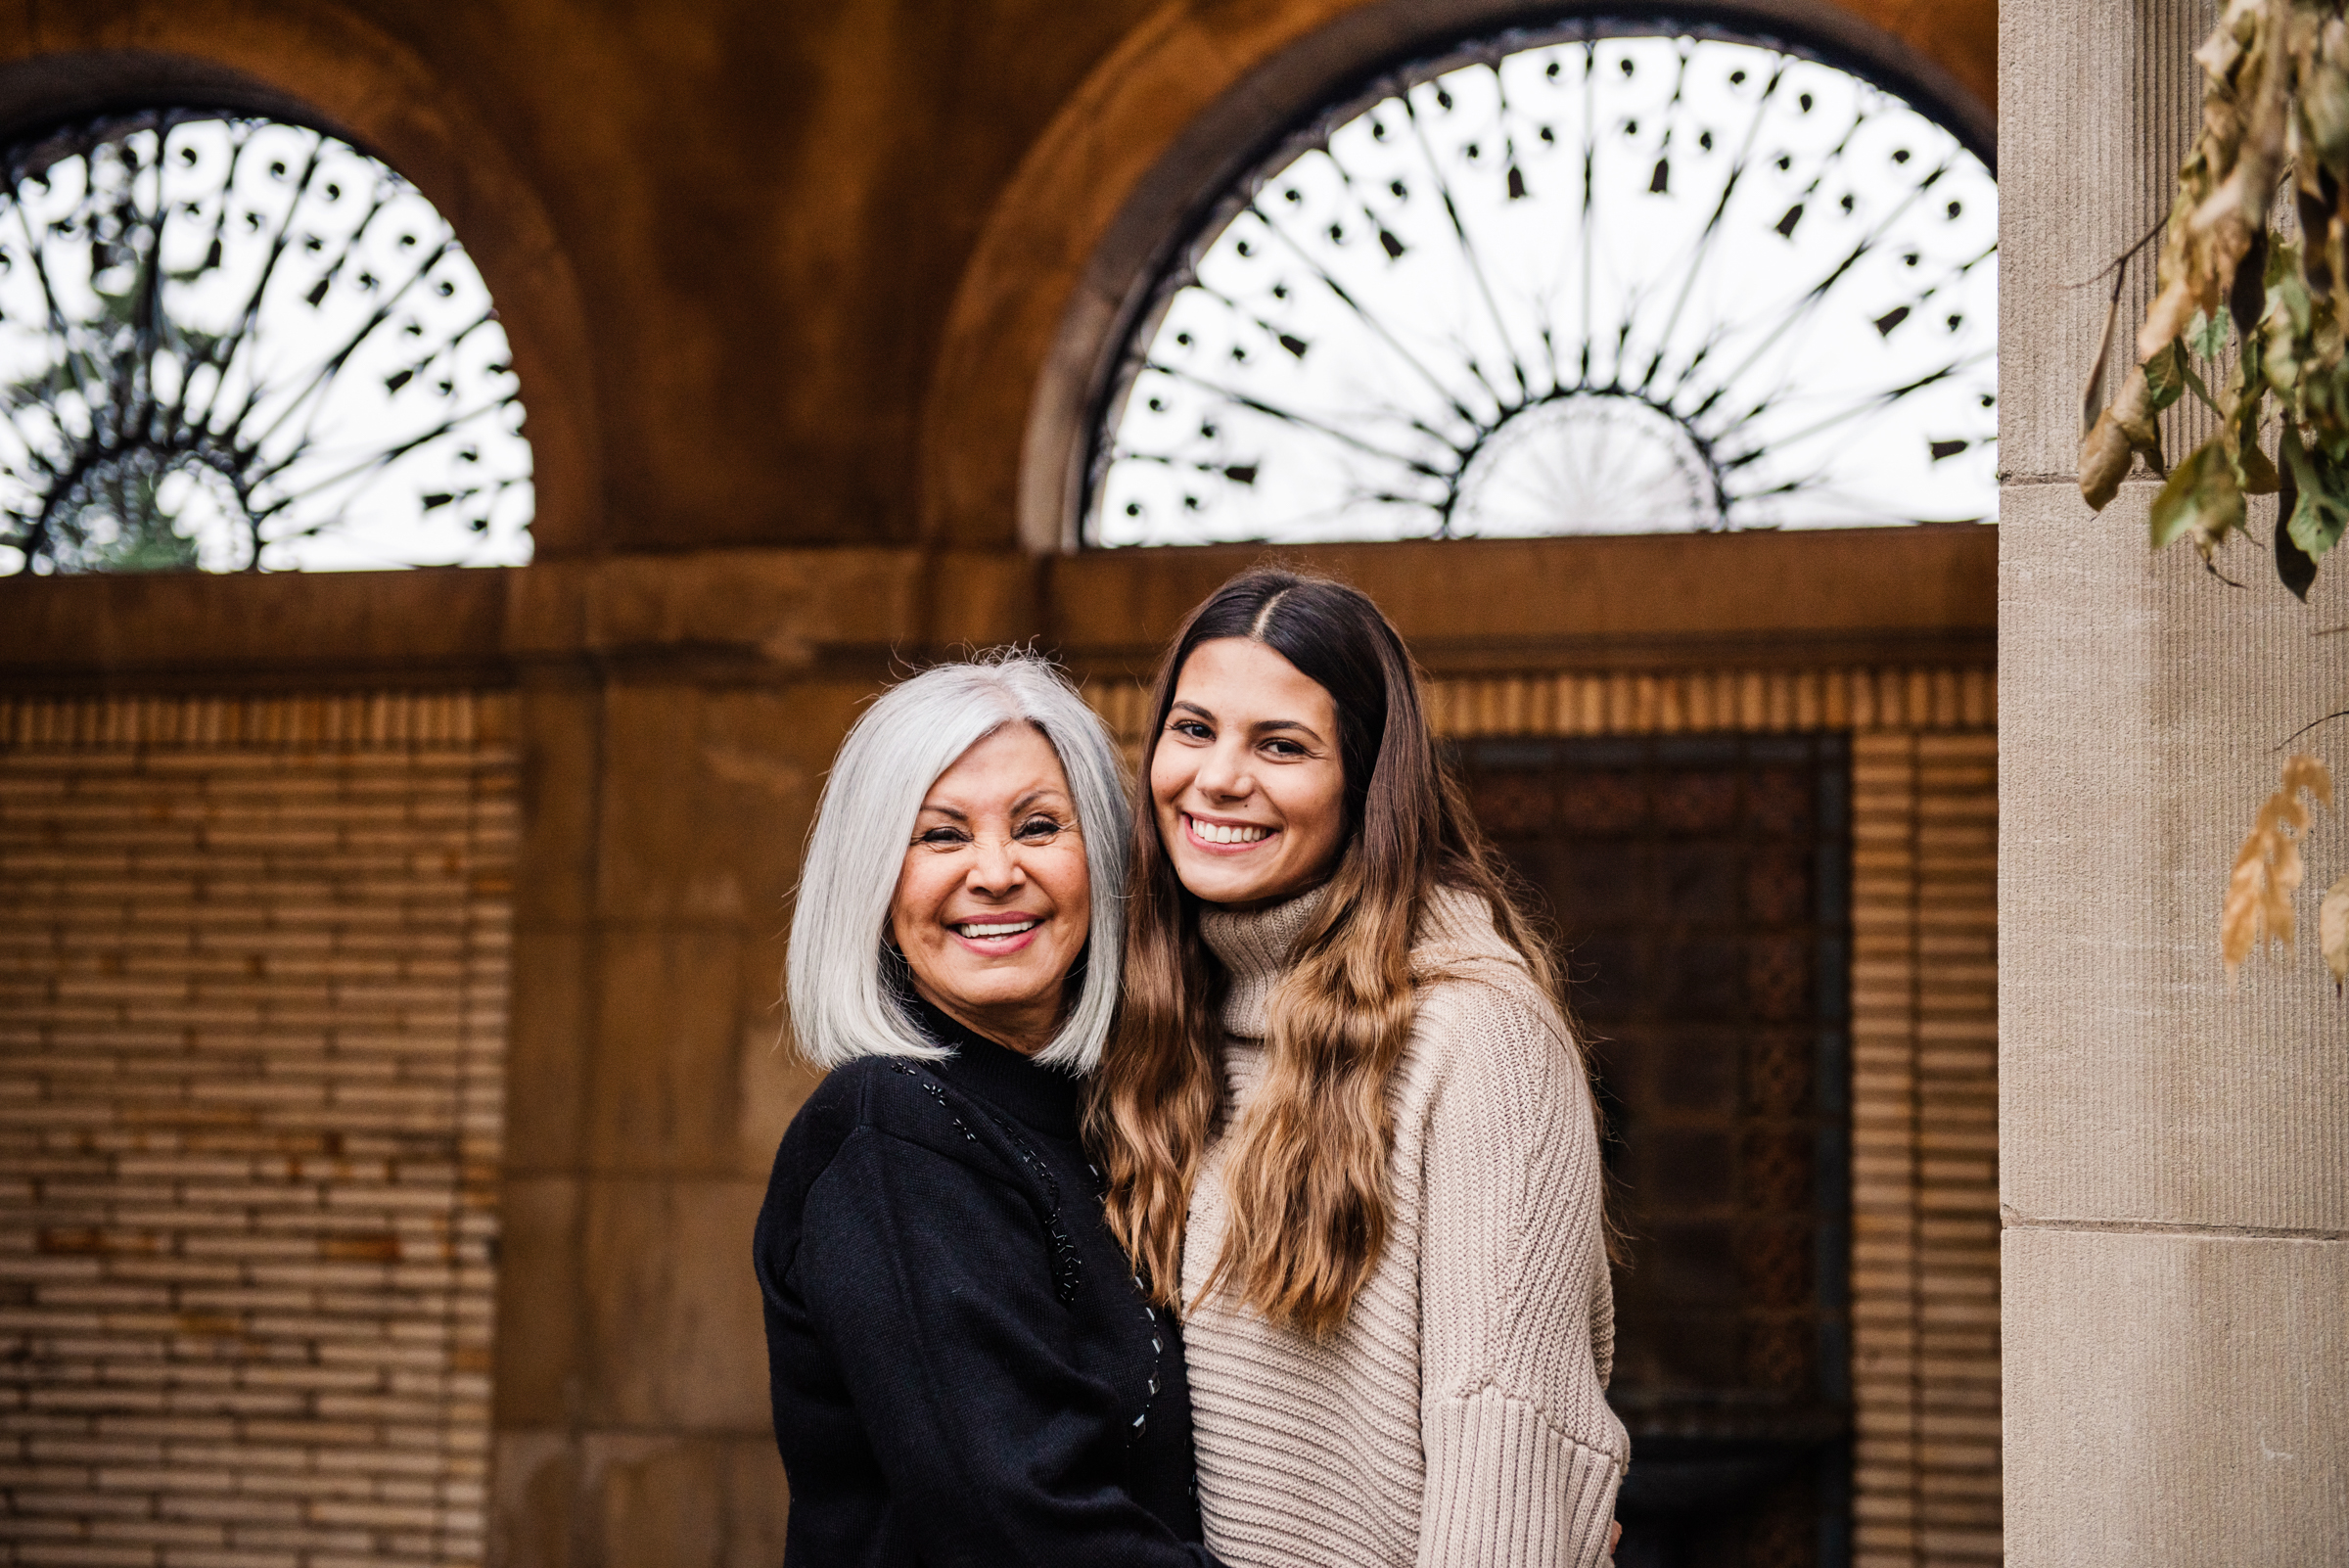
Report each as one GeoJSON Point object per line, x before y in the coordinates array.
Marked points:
{"type": "Point", "coordinates": [1700, 887]}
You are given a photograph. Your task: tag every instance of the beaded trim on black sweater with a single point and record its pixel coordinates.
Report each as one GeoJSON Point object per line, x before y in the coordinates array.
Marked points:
{"type": "Point", "coordinates": [1067, 1263]}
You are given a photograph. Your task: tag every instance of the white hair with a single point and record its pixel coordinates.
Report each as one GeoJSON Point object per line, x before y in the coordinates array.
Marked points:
{"type": "Point", "coordinates": [843, 1005]}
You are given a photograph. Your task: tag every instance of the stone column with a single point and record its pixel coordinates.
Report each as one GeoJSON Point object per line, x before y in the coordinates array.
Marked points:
{"type": "Point", "coordinates": [2175, 1159]}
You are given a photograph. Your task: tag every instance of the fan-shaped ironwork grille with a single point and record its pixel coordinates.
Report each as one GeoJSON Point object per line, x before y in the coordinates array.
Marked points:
{"type": "Point", "coordinates": [236, 344]}
{"type": "Point", "coordinates": [1604, 282]}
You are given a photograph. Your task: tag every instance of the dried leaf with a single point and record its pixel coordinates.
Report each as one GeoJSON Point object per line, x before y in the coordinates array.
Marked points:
{"type": "Point", "coordinates": [2332, 931]}
{"type": "Point", "coordinates": [2228, 179]}
{"type": "Point", "coordinates": [2092, 396]}
{"type": "Point", "coordinates": [2286, 869]}
{"type": "Point", "coordinates": [2269, 869]}
{"type": "Point", "coordinates": [2301, 771]}
{"type": "Point", "coordinates": [2239, 920]}
{"type": "Point", "coordinates": [2325, 97]}
{"type": "Point", "coordinates": [2119, 433]}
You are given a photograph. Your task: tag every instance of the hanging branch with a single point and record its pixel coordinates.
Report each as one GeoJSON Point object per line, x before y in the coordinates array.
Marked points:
{"type": "Point", "coordinates": [2274, 107]}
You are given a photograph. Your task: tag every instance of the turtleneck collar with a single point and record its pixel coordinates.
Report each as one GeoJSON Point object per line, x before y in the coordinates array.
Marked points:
{"type": "Point", "coordinates": [1255, 947]}
{"type": "Point", "coordinates": [1043, 1097]}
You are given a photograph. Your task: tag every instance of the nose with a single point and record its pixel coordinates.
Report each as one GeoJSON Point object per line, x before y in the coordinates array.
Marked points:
{"type": "Point", "coordinates": [996, 868]}
{"type": "Point", "coordinates": [1224, 772]}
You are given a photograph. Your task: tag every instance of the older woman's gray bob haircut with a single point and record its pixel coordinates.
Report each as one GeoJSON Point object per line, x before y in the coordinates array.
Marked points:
{"type": "Point", "coordinates": [842, 1004]}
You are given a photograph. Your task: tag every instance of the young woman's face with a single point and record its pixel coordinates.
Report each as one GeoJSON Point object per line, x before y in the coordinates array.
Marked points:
{"type": "Point", "coordinates": [993, 901]}
{"type": "Point", "coordinates": [1247, 780]}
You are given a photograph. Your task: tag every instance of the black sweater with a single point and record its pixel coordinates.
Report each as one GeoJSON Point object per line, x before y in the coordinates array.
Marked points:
{"type": "Point", "coordinates": [963, 1370]}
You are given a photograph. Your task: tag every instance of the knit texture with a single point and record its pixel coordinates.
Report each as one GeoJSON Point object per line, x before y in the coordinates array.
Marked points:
{"type": "Point", "coordinates": [1460, 1418]}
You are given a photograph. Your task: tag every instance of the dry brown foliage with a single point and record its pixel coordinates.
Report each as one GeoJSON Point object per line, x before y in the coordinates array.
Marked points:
{"type": "Point", "coordinates": [2274, 110]}
{"type": "Point", "coordinates": [2333, 932]}
{"type": "Point", "coordinates": [2269, 870]}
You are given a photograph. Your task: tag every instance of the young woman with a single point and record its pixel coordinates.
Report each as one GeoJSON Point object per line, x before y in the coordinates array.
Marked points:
{"type": "Point", "coordinates": [963, 1367]}
{"type": "Point", "coordinates": [1346, 1129]}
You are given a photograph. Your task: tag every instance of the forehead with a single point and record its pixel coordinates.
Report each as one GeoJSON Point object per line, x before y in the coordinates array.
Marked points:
{"type": "Point", "coordinates": [1238, 678]}
{"type": "Point", "coordinates": [1000, 767]}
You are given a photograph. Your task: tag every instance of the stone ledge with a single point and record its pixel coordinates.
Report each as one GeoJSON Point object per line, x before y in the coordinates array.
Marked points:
{"type": "Point", "coordinates": [1923, 595]}
{"type": "Point", "coordinates": [754, 612]}
{"type": "Point", "coordinates": [1927, 594]}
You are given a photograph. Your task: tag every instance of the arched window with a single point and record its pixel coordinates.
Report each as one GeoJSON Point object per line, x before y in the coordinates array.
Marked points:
{"type": "Point", "coordinates": [237, 343]}
{"type": "Point", "coordinates": [1609, 277]}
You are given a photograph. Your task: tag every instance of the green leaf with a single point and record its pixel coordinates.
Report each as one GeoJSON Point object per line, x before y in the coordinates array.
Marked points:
{"type": "Point", "coordinates": [2206, 336]}
{"type": "Point", "coordinates": [2255, 470]}
{"type": "Point", "coordinates": [2282, 261]}
{"type": "Point", "coordinates": [2322, 508]}
{"type": "Point", "coordinates": [2200, 391]}
{"type": "Point", "coordinates": [2291, 295]}
{"type": "Point", "coordinates": [2316, 526]}
{"type": "Point", "coordinates": [2166, 375]}
{"type": "Point", "coordinates": [2201, 497]}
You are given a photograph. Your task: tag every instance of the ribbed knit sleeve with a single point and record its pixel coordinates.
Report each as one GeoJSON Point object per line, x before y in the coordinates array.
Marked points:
{"type": "Point", "coordinates": [1523, 1455]}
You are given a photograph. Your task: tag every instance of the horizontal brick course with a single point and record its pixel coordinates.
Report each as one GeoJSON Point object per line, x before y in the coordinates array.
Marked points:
{"type": "Point", "coordinates": [252, 988]}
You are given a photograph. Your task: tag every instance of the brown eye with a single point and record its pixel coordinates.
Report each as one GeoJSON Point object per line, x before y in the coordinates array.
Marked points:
{"type": "Point", "coordinates": [1039, 830]}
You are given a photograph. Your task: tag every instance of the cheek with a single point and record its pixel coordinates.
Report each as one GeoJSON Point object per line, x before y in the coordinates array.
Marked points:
{"type": "Point", "coordinates": [1318, 809]}
{"type": "Point", "coordinates": [1168, 777]}
{"type": "Point", "coordinates": [917, 899]}
{"type": "Point", "coordinates": [1070, 887]}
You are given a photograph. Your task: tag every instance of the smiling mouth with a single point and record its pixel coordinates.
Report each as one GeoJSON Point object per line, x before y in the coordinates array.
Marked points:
{"type": "Point", "coordinates": [981, 930]}
{"type": "Point", "coordinates": [1226, 832]}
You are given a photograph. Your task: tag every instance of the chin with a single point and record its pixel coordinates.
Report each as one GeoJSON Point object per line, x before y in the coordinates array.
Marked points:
{"type": "Point", "coordinates": [1218, 891]}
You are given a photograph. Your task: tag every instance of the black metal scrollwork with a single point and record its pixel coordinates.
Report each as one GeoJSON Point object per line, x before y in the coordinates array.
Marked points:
{"type": "Point", "coordinates": [1598, 280]}
{"type": "Point", "coordinates": [236, 344]}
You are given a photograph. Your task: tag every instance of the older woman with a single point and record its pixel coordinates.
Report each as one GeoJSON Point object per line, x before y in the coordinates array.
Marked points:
{"type": "Point", "coordinates": [964, 1368]}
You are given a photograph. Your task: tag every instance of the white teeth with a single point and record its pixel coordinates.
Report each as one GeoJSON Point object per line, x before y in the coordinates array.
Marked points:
{"type": "Point", "coordinates": [1218, 833]}
{"type": "Point", "coordinates": [1013, 929]}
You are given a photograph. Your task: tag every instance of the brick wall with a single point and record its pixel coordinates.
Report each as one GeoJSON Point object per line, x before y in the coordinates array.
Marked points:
{"type": "Point", "coordinates": [253, 989]}
{"type": "Point", "coordinates": [1924, 1150]}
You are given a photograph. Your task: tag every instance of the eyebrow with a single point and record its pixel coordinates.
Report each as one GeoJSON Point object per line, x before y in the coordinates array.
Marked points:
{"type": "Point", "coordinates": [1261, 727]}
{"type": "Point", "coordinates": [1039, 793]}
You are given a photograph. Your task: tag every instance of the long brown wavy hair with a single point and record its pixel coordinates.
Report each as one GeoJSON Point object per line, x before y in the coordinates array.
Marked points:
{"type": "Point", "coordinates": [1308, 1176]}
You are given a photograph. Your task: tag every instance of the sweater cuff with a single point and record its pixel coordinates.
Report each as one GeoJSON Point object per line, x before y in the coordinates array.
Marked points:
{"type": "Point", "coordinates": [1506, 1489]}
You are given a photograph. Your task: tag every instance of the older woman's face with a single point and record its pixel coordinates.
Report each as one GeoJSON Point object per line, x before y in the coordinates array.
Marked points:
{"type": "Point", "coordinates": [993, 901]}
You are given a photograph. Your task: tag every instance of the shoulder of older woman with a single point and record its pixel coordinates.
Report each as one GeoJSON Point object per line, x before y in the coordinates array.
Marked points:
{"type": "Point", "coordinates": [889, 1095]}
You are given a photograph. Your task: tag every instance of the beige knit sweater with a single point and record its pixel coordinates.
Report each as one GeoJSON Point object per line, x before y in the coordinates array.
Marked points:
{"type": "Point", "coordinates": [1460, 1416]}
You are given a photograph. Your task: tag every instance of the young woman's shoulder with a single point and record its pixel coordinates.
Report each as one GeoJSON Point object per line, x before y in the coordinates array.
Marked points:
{"type": "Point", "coordinates": [1482, 1015]}
{"type": "Point", "coordinates": [1466, 969]}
